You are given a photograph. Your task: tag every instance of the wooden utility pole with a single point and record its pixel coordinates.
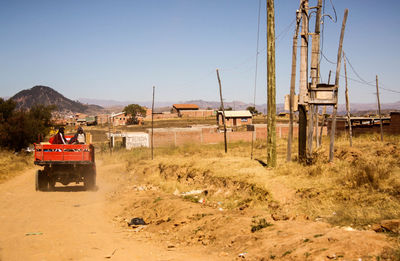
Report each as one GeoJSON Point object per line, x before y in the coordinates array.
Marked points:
{"type": "Point", "coordinates": [347, 102]}
{"type": "Point", "coordinates": [223, 111]}
{"type": "Point", "coordinates": [292, 87]}
{"type": "Point", "coordinates": [271, 82]}
{"type": "Point", "coordinates": [109, 134]}
{"type": "Point", "coordinates": [323, 114]}
{"type": "Point", "coordinates": [303, 98]}
{"type": "Point", "coordinates": [314, 73]}
{"type": "Point", "coordinates": [379, 108]}
{"type": "Point", "coordinates": [152, 126]}
{"type": "Point", "coordinates": [338, 63]}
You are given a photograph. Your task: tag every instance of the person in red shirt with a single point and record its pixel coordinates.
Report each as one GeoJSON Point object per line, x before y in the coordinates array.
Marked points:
{"type": "Point", "coordinates": [59, 138]}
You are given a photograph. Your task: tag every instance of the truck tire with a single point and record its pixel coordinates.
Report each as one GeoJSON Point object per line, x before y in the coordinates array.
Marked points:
{"type": "Point", "coordinates": [41, 181]}
{"type": "Point", "coordinates": [90, 180]}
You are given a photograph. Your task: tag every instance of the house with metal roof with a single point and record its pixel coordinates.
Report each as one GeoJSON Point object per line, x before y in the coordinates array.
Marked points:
{"type": "Point", "coordinates": [235, 118]}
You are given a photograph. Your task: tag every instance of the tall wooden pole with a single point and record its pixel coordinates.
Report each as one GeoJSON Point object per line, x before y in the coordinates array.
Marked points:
{"type": "Point", "coordinates": [314, 73]}
{"type": "Point", "coordinates": [109, 134]}
{"type": "Point", "coordinates": [152, 126]}
{"type": "Point", "coordinates": [347, 103]}
{"type": "Point", "coordinates": [323, 114]}
{"type": "Point", "coordinates": [379, 108]}
{"type": "Point", "coordinates": [271, 82]}
{"type": "Point", "coordinates": [292, 88]}
{"type": "Point", "coordinates": [303, 82]}
{"type": "Point", "coordinates": [339, 60]}
{"type": "Point", "coordinates": [223, 111]}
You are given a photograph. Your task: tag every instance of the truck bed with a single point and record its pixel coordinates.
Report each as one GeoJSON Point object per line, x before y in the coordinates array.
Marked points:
{"type": "Point", "coordinates": [64, 154]}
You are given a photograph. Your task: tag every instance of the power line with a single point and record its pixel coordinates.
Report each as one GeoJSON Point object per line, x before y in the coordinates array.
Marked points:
{"type": "Point", "coordinates": [355, 72]}
{"type": "Point", "coordinates": [326, 58]}
{"type": "Point", "coordinates": [370, 84]}
{"type": "Point", "coordinates": [258, 40]}
{"type": "Point", "coordinates": [334, 10]}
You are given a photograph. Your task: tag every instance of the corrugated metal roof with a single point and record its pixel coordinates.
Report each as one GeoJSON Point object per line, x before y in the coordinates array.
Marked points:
{"type": "Point", "coordinates": [233, 114]}
{"type": "Point", "coordinates": [186, 106]}
{"type": "Point", "coordinates": [117, 114]}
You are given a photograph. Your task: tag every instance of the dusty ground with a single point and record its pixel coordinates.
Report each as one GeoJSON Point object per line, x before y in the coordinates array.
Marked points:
{"type": "Point", "coordinates": [71, 224]}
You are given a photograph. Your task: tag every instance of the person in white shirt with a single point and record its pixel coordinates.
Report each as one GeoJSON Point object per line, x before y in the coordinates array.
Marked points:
{"type": "Point", "coordinates": [79, 137]}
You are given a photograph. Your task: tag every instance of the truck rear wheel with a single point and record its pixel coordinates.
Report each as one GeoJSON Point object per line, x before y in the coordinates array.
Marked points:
{"type": "Point", "coordinates": [90, 180]}
{"type": "Point", "coordinates": [41, 181]}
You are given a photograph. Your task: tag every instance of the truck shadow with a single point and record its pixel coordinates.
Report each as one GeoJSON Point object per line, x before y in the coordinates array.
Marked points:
{"type": "Point", "coordinates": [71, 189]}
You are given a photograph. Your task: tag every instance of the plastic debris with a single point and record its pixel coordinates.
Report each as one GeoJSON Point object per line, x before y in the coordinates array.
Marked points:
{"type": "Point", "coordinates": [33, 234]}
{"type": "Point", "coordinates": [137, 222]}
{"type": "Point", "coordinates": [192, 192]}
{"type": "Point", "coordinates": [349, 229]}
{"type": "Point", "coordinates": [110, 255]}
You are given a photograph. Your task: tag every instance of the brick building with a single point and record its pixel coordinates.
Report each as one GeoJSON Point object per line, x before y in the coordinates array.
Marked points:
{"type": "Point", "coordinates": [365, 125]}
{"type": "Point", "coordinates": [197, 113]}
{"type": "Point", "coordinates": [235, 118]}
{"type": "Point", "coordinates": [180, 108]}
{"type": "Point", "coordinates": [120, 119]}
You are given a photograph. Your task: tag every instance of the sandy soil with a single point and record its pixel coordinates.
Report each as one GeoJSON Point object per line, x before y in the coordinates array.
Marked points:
{"type": "Point", "coordinates": [72, 224]}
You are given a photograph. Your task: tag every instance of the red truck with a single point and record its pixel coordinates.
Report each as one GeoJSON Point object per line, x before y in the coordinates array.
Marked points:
{"type": "Point", "coordinates": [65, 164]}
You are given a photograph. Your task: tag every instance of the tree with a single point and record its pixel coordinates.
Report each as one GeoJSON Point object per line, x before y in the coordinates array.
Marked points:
{"type": "Point", "coordinates": [19, 128]}
{"type": "Point", "coordinates": [136, 111]}
{"type": "Point", "coordinates": [6, 109]}
{"type": "Point", "coordinates": [252, 109]}
{"type": "Point", "coordinates": [226, 109]}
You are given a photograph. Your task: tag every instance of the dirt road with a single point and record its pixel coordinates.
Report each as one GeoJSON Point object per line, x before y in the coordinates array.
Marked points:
{"type": "Point", "coordinates": [69, 224]}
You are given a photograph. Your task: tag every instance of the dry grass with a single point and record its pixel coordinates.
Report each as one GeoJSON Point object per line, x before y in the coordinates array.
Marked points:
{"type": "Point", "coordinates": [12, 164]}
{"type": "Point", "coordinates": [361, 187]}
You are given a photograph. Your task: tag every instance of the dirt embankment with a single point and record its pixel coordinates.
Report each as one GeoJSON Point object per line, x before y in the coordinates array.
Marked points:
{"type": "Point", "coordinates": [251, 222]}
{"type": "Point", "coordinates": [199, 207]}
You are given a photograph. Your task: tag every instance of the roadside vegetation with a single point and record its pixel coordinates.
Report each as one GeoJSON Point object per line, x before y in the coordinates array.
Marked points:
{"type": "Point", "coordinates": [360, 188]}
{"type": "Point", "coordinates": [253, 206]}
{"type": "Point", "coordinates": [19, 128]}
{"type": "Point", "coordinates": [12, 164]}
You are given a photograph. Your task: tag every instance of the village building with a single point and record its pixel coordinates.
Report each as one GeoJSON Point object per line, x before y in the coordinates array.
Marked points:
{"type": "Point", "coordinates": [120, 119]}
{"type": "Point", "coordinates": [235, 118]}
{"type": "Point", "coordinates": [367, 125]}
{"type": "Point", "coordinates": [102, 119]}
{"type": "Point", "coordinates": [181, 108]}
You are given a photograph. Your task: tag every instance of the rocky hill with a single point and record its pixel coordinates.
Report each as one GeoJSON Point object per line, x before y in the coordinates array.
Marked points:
{"type": "Point", "coordinates": [47, 96]}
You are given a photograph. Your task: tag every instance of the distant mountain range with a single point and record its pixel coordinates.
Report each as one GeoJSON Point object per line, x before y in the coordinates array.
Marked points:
{"type": "Point", "coordinates": [48, 96]}
{"type": "Point", "coordinates": [39, 94]}
{"type": "Point", "coordinates": [356, 108]}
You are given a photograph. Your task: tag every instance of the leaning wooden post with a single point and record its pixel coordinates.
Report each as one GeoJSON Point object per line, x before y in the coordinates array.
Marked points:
{"type": "Point", "coordinates": [292, 89]}
{"type": "Point", "coordinates": [271, 81]}
{"type": "Point", "coordinates": [152, 126]}
{"type": "Point", "coordinates": [223, 111]}
{"type": "Point", "coordinates": [379, 108]}
{"type": "Point", "coordinates": [339, 60]}
{"type": "Point", "coordinates": [347, 102]}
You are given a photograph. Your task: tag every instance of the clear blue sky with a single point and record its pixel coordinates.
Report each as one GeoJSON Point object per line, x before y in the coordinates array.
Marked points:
{"type": "Point", "coordinates": [119, 49]}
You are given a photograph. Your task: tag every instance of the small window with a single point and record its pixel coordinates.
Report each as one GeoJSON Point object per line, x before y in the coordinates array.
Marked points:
{"type": "Point", "coordinates": [243, 120]}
